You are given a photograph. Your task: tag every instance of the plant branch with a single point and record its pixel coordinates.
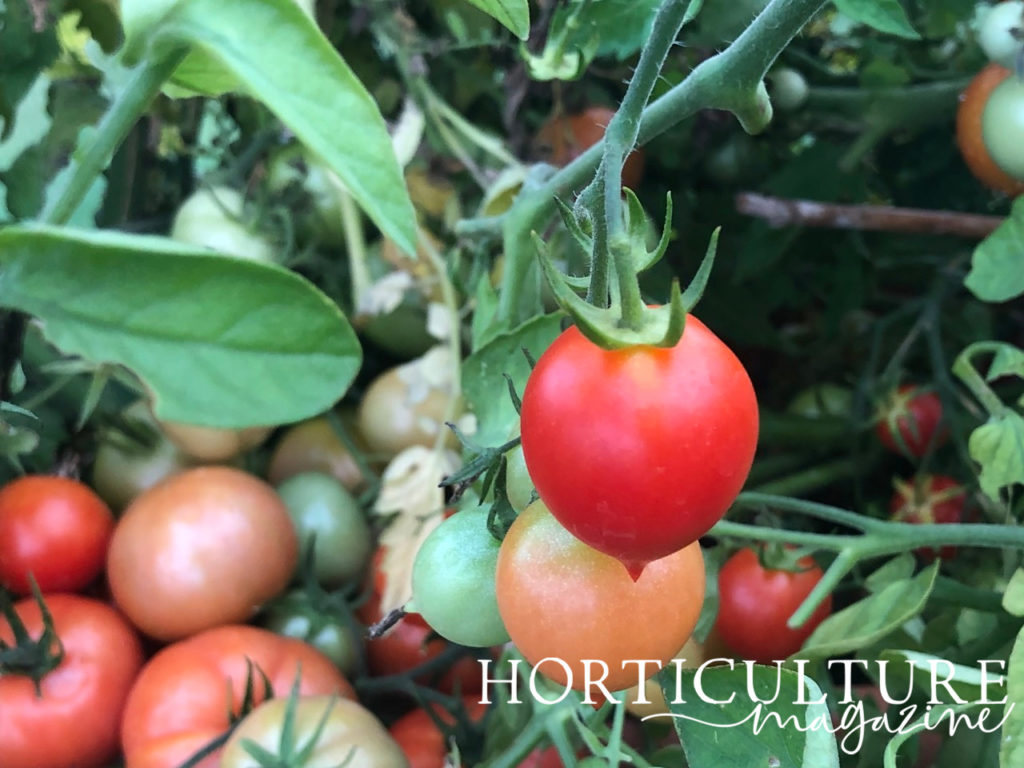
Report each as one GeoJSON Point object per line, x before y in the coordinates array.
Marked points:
{"type": "Point", "coordinates": [782, 212]}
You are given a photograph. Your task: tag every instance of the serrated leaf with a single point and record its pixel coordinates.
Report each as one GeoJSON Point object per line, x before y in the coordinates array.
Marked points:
{"type": "Point", "coordinates": [884, 15]}
{"type": "Point", "coordinates": [514, 15]}
{"type": "Point", "coordinates": [1011, 752]}
{"type": "Point", "coordinates": [996, 273]}
{"type": "Point", "coordinates": [483, 375]}
{"type": "Point", "coordinates": [308, 86]}
{"type": "Point", "coordinates": [218, 341]}
{"type": "Point", "coordinates": [724, 733]}
{"type": "Point", "coordinates": [871, 619]}
{"type": "Point", "coordinates": [1013, 597]}
{"type": "Point", "coordinates": [998, 446]}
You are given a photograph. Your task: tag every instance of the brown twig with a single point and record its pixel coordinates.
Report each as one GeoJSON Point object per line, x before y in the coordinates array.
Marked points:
{"type": "Point", "coordinates": [781, 212]}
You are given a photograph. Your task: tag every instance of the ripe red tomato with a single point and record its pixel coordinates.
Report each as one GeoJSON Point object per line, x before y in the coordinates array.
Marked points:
{"type": "Point", "coordinates": [564, 138]}
{"type": "Point", "coordinates": [969, 133]}
{"type": "Point", "coordinates": [929, 499]}
{"type": "Point", "coordinates": [77, 718]}
{"type": "Point", "coordinates": [560, 598]}
{"type": "Point", "coordinates": [754, 604]}
{"type": "Point", "coordinates": [185, 695]}
{"type": "Point", "coordinates": [411, 643]}
{"type": "Point", "coordinates": [915, 415]}
{"type": "Point", "coordinates": [639, 451]}
{"type": "Point", "coordinates": [418, 735]}
{"type": "Point", "coordinates": [203, 548]}
{"type": "Point", "coordinates": [54, 528]}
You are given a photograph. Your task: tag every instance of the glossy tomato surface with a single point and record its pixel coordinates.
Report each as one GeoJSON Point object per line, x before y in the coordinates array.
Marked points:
{"type": "Point", "coordinates": [560, 598]}
{"type": "Point", "coordinates": [184, 696]}
{"type": "Point", "coordinates": [203, 548]}
{"type": "Point", "coordinates": [55, 529]}
{"type": "Point", "coordinates": [969, 131]}
{"type": "Point", "coordinates": [75, 720]}
{"type": "Point", "coordinates": [638, 452]}
{"type": "Point", "coordinates": [754, 604]}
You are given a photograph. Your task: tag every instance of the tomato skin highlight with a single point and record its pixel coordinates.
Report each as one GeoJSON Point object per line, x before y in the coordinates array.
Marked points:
{"type": "Point", "coordinates": [181, 699]}
{"type": "Point", "coordinates": [203, 548]}
{"type": "Point", "coordinates": [55, 528]}
{"type": "Point", "coordinates": [77, 720]}
{"type": "Point", "coordinates": [969, 131]}
{"type": "Point", "coordinates": [638, 452]}
{"type": "Point", "coordinates": [754, 604]}
{"type": "Point", "coordinates": [560, 598]}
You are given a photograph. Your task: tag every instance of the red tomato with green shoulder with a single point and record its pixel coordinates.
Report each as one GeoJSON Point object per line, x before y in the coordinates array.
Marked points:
{"type": "Point", "coordinates": [754, 604]}
{"type": "Point", "coordinates": [910, 421]}
{"type": "Point", "coordinates": [639, 451]}
{"type": "Point", "coordinates": [55, 529]}
{"type": "Point", "coordinates": [191, 692]}
{"type": "Point", "coordinates": [929, 499]}
{"type": "Point", "coordinates": [75, 718]}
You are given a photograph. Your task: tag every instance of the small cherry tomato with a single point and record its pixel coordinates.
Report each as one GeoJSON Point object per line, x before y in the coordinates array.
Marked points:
{"type": "Point", "coordinates": [560, 598]}
{"type": "Point", "coordinates": [75, 718]}
{"type": "Point", "coordinates": [314, 446]}
{"type": "Point", "coordinates": [1000, 33]}
{"type": "Point", "coordinates": [213, 218]}
{"type": "Point", "coordinates": [203, 548]}
{"type": "Point", "coordinates": [54, 529]}
{"type": "Point", "coordinates": [969, 131]}
{"type": "Point", "coordinates": [754, 604]}
{"type": "Point", "coordinates": [296, 615]}
{"type": "Point", "coordinates": [212, 443]}
{"type": "Point", "coordinates": [124, 468]}
{"type": "Point", "coordinates": [639, 451]}
{"type": "Point", "coordinates": [929, 499]}
{"type": "Point", "coordinates": [1002, 126]}
{"type": "Point", "coordinates": [564, 138]}
{"type": "Point", "coordinates": [910, 421]}
{"type": "Point", "coordinates": [424, 745]}
{"type": "Point", "coordinates": [453, 581]}
{"type": "Point", "coordinates": [327, 518]}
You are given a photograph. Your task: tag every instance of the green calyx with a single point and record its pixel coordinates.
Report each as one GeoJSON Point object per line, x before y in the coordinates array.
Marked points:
{"type": "Point", "coordinates": [615, 326]}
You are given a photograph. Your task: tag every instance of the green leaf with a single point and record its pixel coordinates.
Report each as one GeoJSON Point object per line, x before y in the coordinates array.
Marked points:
{"type": "Point", "coordinates": [997, 265]}
{"type": "Point", "coordinates": [302, 80]}
{"type": "Point", "coordinates": [898, 569]}
{"type": "Point", "coordinates": [622, 26]}
{"type": "Point", "coordinates": [1013, 597]}
{"type": "Point", "coordinates": [998, 445]}
{"type": "Point", "coordinates": [512, 14]}
{"type": "Point", "coordinates": [483, 381]}
{"type": "Point", "coordinates": [871, 619]}
{"type": "Point", "coordinates": [218, 341]}
{"type": "Point", "coordinates": [884, 15]}
{"type": "Point", "coordinates": [724, 734]}
{"type": "Point", "coordinates": [1007, 361]}
{"type": "Point", "coordinates": [1012, 751]}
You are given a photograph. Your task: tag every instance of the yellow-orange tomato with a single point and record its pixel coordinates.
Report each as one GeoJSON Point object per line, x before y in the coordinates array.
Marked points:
{"type": "Point", "coordinates": [564, 138]}
{"type": "Point", "coordinates": [203, 548]}
{"type": "Point", "coordinates": [211, 443]}
{"type": "Point", "coordinates": [314, 446]}
{"type": "Point", "coordinates": [968, 131]}
{"type": "Point", "coordinates": [560, 598]}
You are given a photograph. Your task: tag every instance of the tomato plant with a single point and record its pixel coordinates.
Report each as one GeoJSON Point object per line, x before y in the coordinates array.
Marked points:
{"type": "Point", "coordinates": [910, 421]}
{"type": "Point", "coordinates": [609, 416]}
{"type": "Point", "coordinates": [929, 499]}
{"type": "Point", "coordinates": [167, 566]}
{"type": "Point", "coordinates": [296, 615]}
{"type": "Point", "coordinates": [969, 131]}
{"type": "Point", "coordinates": [417, 733]}
{"type": "Point", "coordinates": [74, 717]}
{"type": "Point", "coordinates": [325, 730]}
{"type": "Point", "coordinates": [560, 598]}
{"type": "Point", "coordinates": [565, 137]}
{"type": "Point", "coordinates": [314, 446]}
{"type": "Point", "coordinates": [213, 218]}
{"type": "Point", "coordinates": [453, 581]}
{"type": "Point", "coordinates": [755, 602]}
{"type": "Point", "coordinates": [54, 530]}
{"type": "Point", "coordinates": [191, 692]}
{"type": "Point", "coordinates": [329, 520]}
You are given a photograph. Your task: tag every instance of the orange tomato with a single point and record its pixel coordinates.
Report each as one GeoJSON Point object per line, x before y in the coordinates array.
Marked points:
{"type": "Point", "coordinates": [564, 138]}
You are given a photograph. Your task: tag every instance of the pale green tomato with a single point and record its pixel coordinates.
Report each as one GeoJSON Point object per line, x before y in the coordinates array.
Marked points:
{"type": "Point", "coordinates": [996, 32]}
{"type": "Point", "coordinates": [212, 218]}
{"type": "Point", "coordinates": [1002, 126]}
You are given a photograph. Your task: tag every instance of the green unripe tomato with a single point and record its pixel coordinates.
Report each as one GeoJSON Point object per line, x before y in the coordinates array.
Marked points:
{"type": "Point", "coordinates": [821, 401]}
{"type": "Point", "coordinates": [453, 581]}
{"type": "Point", "coordinates": [122, 471]}
{"type": "Point", "coordinates": [518, 485]}
{"type": "Point", "coordinates": [996, 32]}
{"type": "Point", "coordinates": [1002, 126]}
{"type": "Point", "coordinates": [212, 218]}
{"type": "Point", "coordinates": [788, 89]}
{"type": "Point", "coordinates": [295, 616]}
{"type": "Point", "coordinates": [319, 505]}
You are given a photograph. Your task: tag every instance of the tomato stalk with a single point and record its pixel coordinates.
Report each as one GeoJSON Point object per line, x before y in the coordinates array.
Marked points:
{"type": "Point", "coordinates": [33, 658]}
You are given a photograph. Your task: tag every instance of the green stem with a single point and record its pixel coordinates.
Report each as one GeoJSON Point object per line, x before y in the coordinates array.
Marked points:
{"type": "Point", "coordinates": [88, 163]}
{"type": "Point", "coordinates": [809, 508]}
{"type": "Point", "coordinates": [811, 479]}
{"type": "Point", "coordinates": [964, 368]}
{"type": "Point", "coordinates": [355, 244]}
{"type": "Point", "coordinates": [841, 566]}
